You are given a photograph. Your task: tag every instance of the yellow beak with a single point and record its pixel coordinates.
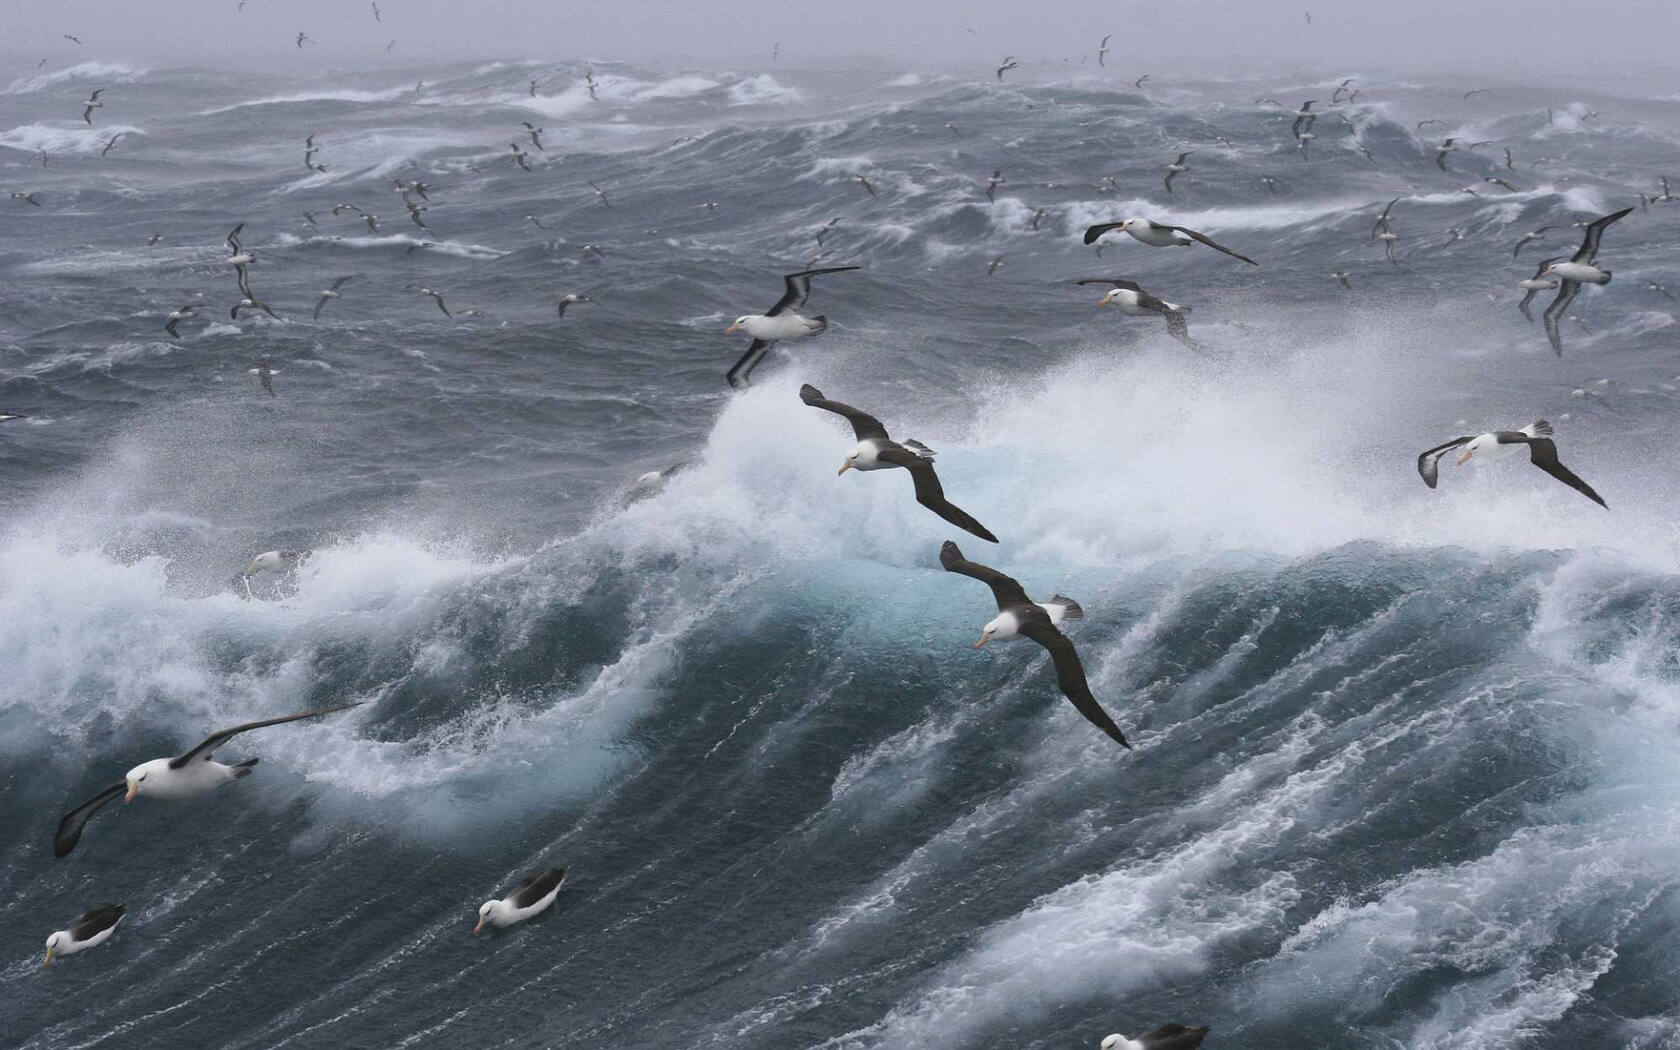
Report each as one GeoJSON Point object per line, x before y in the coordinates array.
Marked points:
{"type": "Point", "coordinates": [479, 927]}
{"type": "Point", "coordinates": [983, 640]}
{"type": "Point", "coordinates": [732, 329]}
{"type": "Point", "coordinates": [1465, 458]}
{"type": "Point", "coordinates": [48, 959]}
{"type": "Point", "coordinates": [845, 467]}
{"type": "Point", "coordinates": [133, 789]}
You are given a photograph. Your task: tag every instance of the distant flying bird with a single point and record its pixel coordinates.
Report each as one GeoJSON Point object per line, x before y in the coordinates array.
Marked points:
{"type": "Point", "coordinates": [109, 143]}
{"type": "Point", "coordinates": [1037, 217]}
{"type": "Point", "coordinates": [569, 299]}
{"type": "Point", "coordinates": [329, 294]}
{"type": "Point", "coordinates": [1133, 301]}
{"type": "Point", "coordinates": [249, 303]}
{"type": "Point", "coordinates": [1102, 51]}
{"type": "Point", "coordinates": [1304, 118]}
{"type": "Point", "coordinates": [1476, 91]}
{"type": "Point", "coordinates": [92, 104]}
{"type": "Point", "coordinates": [1581, 269]}
{"type": "Point", "coordinates": [1534, 235]}
{"type": "Point", "coordinates": [1175, 168]}
{"type": "Point", "coordinates": [993, 183]}
{"type": "Point", "coordinates": [1494, 180]}
{"type": "Point", "coordinates": [436, 297]}
{"type": "Point", "coordinates": [535, 133]}
{"type": "Point", "coordinates": [601, 194]}
{"type": "Point", "coordinates": [993, 266]}
{"type": "Point", "coordinates": [1441, 152]}
{"type": "Point", "coordinates": [1341, 278]}
{"type": "Point", "coordinates": [376, 17]}
{"type": "Point", "coordinates": [175, 319]}
{"type": "Point", "coordinates": [27, 198]}
{"type": "Point", "coordinates": [863, 180]}
{"type": "Point", "coordinates": [72, 39]}
{"type": "Point", "coordinates": [1006, 65]}
{"type": "Point", "coordinates": [265, 376]}
{"type": "Point", "coordinates": [303, 39]}
{"type": "Point", "coordinates": [1138, 83]}
{"type": "Point", "coordinates": [519, 155]}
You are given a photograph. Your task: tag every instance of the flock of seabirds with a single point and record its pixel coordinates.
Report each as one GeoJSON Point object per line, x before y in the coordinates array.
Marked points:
{"type": "Point", "coordinates": [197, 772]}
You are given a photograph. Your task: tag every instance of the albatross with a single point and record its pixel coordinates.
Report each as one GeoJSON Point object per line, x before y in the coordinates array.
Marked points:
{"type": "Point", "coordinates": [1133, 301]}
{"type": "Point", "coordinates": [1161, 235]}
{"type": "Point", "coordinates": [94, 928]}
{"type": "Point", "coordinates": [329, 294]}
{"type": "Point", "coordinates": [1497, 444]}
{"type": "Point", "coordinates": [184, 776]}
{"type": "Point", "coordinates": [1535, 285]}
{"type": "Point", "coordinates": [779, 322]}
{"type": "Point", "coordinates": [534, 894]}
{"type": "Point", "coordinates": [876, 451]}
{"type": "Point", "coordinates": [1019, 616]}
{"type": "Point", "coordinates": [1580, 269]}
{"type": "Point", "coordinates": [1166, 1037]}
{"type": "Point", "coordinates": [90, 105]}
{"type": "Point", "coordinates": [1177, 167]}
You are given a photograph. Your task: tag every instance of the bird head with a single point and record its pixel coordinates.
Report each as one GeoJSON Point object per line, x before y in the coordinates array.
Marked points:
{"type": "Point", "coordinates": [1472, 448]}
{"type": "Point", "coordinates": [484, 911]}
{"type": "Point", "coordinates": [1113, 1042]}
{"type": "Point", "coordinates": [52, 946]}
{"type": "Point", "coordinates": [136, 777]}
{"type": "Point", "coordinates": [1111, 299]}
{"type": "Point", "coordinates": [740, 323]}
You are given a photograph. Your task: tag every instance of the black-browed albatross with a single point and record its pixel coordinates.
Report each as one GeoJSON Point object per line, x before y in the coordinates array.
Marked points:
{"type": "Point", "coordinates": [779, 322]}
{"type": "Point", "coordinates": [1167, 1036]}
{"type": "Point", "coordinates": [534, 894]}
{"type": "Point", "coordinates": [184, 776]}
{"type": "Point", "coordinates": [94, 928]}
{"type": "Point", "coordinates": [1161, 235]}
{"type": "Point", "coordinates": [1580, 269]}
{"type": "Point", "coordinates": [1019, 616]}
{"type": "Point", "coordinates": [1133, 301]}
{"type": "Point", "coordinates": [1497, 444]}
{"type": "Point", "coordinates": [877, 451]}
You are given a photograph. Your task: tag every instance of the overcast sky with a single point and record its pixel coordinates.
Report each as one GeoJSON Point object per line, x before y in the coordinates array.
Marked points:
{"type": "Point", "coordinates": [1522, 38]}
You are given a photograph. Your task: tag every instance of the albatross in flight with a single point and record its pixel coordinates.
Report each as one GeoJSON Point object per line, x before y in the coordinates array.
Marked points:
{"type": "Point", "coordinates": [1019, 616]}
{"type": "Point", "coordinates": [876, 451]}
{"type": "Point", "coordinates": [1177, 167]}
{"type": "Point", "coordinates": [534, 895]}
{"type": "Point", "coordinates": [1580, 269]}
{"type": "Point", "coordinates": [1133, 301]}
{"type": "Point", "coordinates": [92, 104]}
{"type": "Point", "coordinates": [1535, 285]}
{"type": "Point", "coordinates": [329, 294]}
{"type": "Point", "coordinates": [1161, 235]}
{"type": "Point", "coordinates": [1498, 444]}
{"type": "Point", "coordinates": [779, 322]}
{"type": "Point", "coordinates": [184, 776]}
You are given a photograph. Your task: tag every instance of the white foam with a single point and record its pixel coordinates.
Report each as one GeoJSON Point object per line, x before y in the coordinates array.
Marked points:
{"type": "Point", "coordinates": [105, 72]}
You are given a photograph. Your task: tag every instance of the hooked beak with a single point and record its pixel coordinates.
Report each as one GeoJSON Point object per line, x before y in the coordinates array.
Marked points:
{"type": "Point", "coordinates": [983, 640]}
{"type": "Point", "coordinates": [133, 789]}
{"type": "Point", "coordinates": [732, 329]}
{"type": "Point", "coordinates": [845, 467]}
{"type": "Point", "coordinates": [479, 927]}
{"type": "Point", "coordinates": [48, 959]}
{"type": "Point", "coordinates": [1465, 458]}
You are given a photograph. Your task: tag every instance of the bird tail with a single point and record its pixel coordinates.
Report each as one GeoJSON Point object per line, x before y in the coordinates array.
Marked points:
{"type": "Point", "coordinates": [1538, 428]}
{"type": "Point", "coordinates": [1070, 608]}
{"type": "Point", "coordinates": [243, 769]}
{"type": "Point", "coordinates": [1607, 276]}
{"type": "Point", "coordinates": [920, 449]}
{"type": "Point", "coordinates": [1176, 308]}
{"type": "Point", "coordinates": [821, 321]}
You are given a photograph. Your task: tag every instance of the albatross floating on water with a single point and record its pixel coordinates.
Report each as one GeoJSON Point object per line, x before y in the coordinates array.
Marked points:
{"type": "Point", "coordinates": [184, 776]}
{"type": "Point", "coordinates": [779, 322]}
{"type": "Point", "coordinates": [876, 451]}
{"type": "Point", "coordinates": [1019, 616]}
{"type": "Point", "coordinates": [1166, 1037]}
{"type": "Point", "coordinates": [1498, 444]}
{"type": "Point", "coordinates": [1161, 235]}
{"type": "Point", "coordinates": [90, 931]}
{"type": "Point", "coordinates": [1580, 269]}
{"type": "Point", "coordinates": [534, 894]}
{"type": "Point", "coordinates": [1133, 301]}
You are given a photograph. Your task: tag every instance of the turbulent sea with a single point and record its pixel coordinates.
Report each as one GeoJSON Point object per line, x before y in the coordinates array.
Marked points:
{"type": "Point", "coordinates": [1406, 770]}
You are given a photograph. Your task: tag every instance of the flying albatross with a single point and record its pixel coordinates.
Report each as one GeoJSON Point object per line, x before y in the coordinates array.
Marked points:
{"type": "Point", "coordinates": [1498, 444]}
{"type": "Point", "coordinates": [1160, 235]}
{"type": "Point", "coordinates": [183, 776]}
{"type": "Point", "coordinates": [1133, 301]}
{"type": "Point", "coordinates": [90, 931]}
{"type": "Point", "coordinates": [1019, 616]}
{"type": "Point", "coordinates": [876, 451]}
{"type": "Point", "coordinates": [1579, 270]}
{"type": "Point", "coordinates": [534, 895]}
{"type": "Point", "coordinates": [779, 322]}
{"type": "Point", "coordinates": [1535, 285]}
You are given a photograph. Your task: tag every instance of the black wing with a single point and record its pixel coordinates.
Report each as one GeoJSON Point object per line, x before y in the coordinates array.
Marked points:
{"type": "Point", "coordinates": [1211, 243]}
{"type": "Point", "coordinates": [319, 305]}
{"type": "Point", "coordinates": [244, 281]}
{"type": "Point", "coordinates": [1595, 230]}
{"type": "Point", "coordinates": [1554, 312]}
{"type": "Point", "coordinates": [1177, 326]}
{"type": "Point", "coordinates": [70, 827]}
{"type": "Point", "coordinates": [1093, 232]}
{"type": "Point", "coordinates": [1542, 452]}
{"type": "Point", "coordinates": [1070, 676]}
{"type": "Point", "coordinates": [1004, 588]}
{"type": "Point", "coordinates": [864, 425]}
{"type": "Point", "coordinates": [170, 327]}
{"type": "Point", "coordinates": [1118, 282]}
{"type": "Point", "coordinates": [1428, 462]}
{"type": "Point", "coordinates": [97, 920]}
{"type": "Point", "coordinates": [535, 887]}
{"type": "Point", "coordinates": [930, 494]}
{"type": "Point", "coordinates": [799, 287]}
{"type": "Point", "coordinates": [222, 736]}
{"type": "Point", "coordinates": [1173, 1037]}
{"type": "Point", "coordinates": [742, 370]}
{"type": "Point", "coordinates": [233, 239]}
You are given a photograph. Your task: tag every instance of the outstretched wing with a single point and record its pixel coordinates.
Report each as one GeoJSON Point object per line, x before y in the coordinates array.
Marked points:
{"type": "Point", "coordinates": [1554, 312]}
{"type": "Point", "coordinates": [1070, 676]}
{"type": "Point", "coordinates": [1211, 243]}
{"type": "Point", "coordinates": [97, 920]}
{"type": "Point", "coordinates": [930, 494]}
{"type": "Point", "coordinates": [70, 827]}
{"type": "Point", "coordinates": [799, 287]}
{"type": "Point", "coordinates": [864, 425]}
{"type": "Point", "coordinates": [1542, 452]}
{"type": "Point", "coordinates": [742, 370]}
{"type": "Point", "coordinates": [233, 239]}
{"type": "Point", "coordinates": [1118, 282]}
{"type": "Point", "coordinates": [1595, 230]}
{"type": "Point", "coordinates": [244, 281]}
{"type": "Point", "coordinates": [1428, 462]}
{"type": "Point", "coordinates": [1177, 326]}
{"type": "Point", "coordinates": [534, 888]}
{"type": "Point", "coordinates": [1093, 232]}
{"type": "Point", "coordinates": [222, 736]}
{"type": "Point", "coordinates": [1004, 588]}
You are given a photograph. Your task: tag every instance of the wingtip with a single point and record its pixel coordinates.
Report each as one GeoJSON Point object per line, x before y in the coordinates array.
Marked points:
{"type": "Point", "coordinates": [809, 393]}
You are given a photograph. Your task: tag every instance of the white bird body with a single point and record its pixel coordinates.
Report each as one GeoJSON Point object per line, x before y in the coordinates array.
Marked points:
{"type": "Point", "coordinates": [271, 561]}
{"type": "Point", "coordinates": [155, 779]}
{"type": "Point", "coordinates": [1585, 273]}
{"type": "Point", "coordinates": [1131, 303]}
{"type": "Point", "coordinates": [1535, 284]}
{"type": "Point", "coordinates": [1006, 626]}
{"type": "Point", "coordinates": [1156, 236]}
{"type": "Point", "coordinates": [787, 325]}
{"type": "Point", "coordinates": [506, 911]}
{"type": "Point", "coordinates": [65, 942]}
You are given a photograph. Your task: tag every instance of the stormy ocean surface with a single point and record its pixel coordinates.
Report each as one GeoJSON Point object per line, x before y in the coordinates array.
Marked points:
{"type": "Point", "coordinates": [1406, 771]}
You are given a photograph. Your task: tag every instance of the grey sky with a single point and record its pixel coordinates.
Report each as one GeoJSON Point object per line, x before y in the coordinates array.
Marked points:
{"type": "Point", "coordinates": [1525, 39]}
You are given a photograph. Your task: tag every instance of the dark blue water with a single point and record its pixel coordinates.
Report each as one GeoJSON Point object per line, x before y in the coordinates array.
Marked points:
{"type": "Point", "coordinates": [1406, 772]}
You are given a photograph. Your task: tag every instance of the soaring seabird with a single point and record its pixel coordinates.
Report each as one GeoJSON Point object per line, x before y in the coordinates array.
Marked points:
{"type": "Point", "coordinates": [112, 141]}
{"type": "Point", "coordinates": [27, 198]}
{"type": "Point", "coordinates": [534, 895]}
{"type": "Point", "coordinates": [994, 266]}
{"type": "Point", "coordinates": [1535, 285]}
{"type": "Point", "coordinates": [1135, 302]}
{"type": "Point", "coordinates": [1498, 444]}
{"type": "Point", "coordinates": [1166, 1037]}
{"type": "Point", "coordinates": [1341, 277]}
{"type": "Point", "coordinates": [1497, 181]}
{"type": "Point", "coordinates": [1304, 118]}
{"type": "Point", "coordinates": [240, 259]}
{"type": "Point", "coordinates": [1382, 230]}
{"type": "Point", "coordinates": [372, 221]}
{"type": "Point", "coordinates": [652, 483]}
{"type": "Point", "coordinates": [572, 297]}
{"type": "Point", "coordinates": [248, 303]}
{"type": "Point", "coordinates": [329, 294]}
{"type": "Point", "coordinates": [1138, 83]}
{"type": "Point", "coordinates": [1533, 235]}
{"type": "Point", "coordinates": [1102, 51]}
{"type": "Point", "coordinates": [876, 451]}
{"type": "Point", "coordinates": [779, 322]}
{"type": "Point", "coordinates": [303, 38]}
{"type": "Point", "coordinates": [171, 326]}
{"type": "Point", "coordinates": [6, 417]}
{"type": "Point", "coordinates": [534, 131]}
{"type": "Point", "coordinates": [265, 376]}
{"type": "Point", "coordinates": [1579, 270]}
{"type": "Point", "coordinates": [519, 155]}
{"type": "Point", "coordinates": [1175, 168]}
{"type": "Point", "coordinates": [825, 229]}
{"type": "Point", "coordinates": [1441, 152]}
{"type": "Point", "coordinates": [601, 194]}
{"type": "Point", "coordinates": [90, 931]}
{"type": "Point", "coordinates": [436, 297]}
{"type": "Point", "coordinates": [90, 105]}
{"type": "Point", "coordinates": [1019, 616]}
{"type": "Point", "coordinates": [183, 776]}
{"type": "Point", "coordinates": [1006, 65]}
{"type": "Point", "coordinates": [1038, 217]}
{"type": "Point", "coordinates": [1160, 235]}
